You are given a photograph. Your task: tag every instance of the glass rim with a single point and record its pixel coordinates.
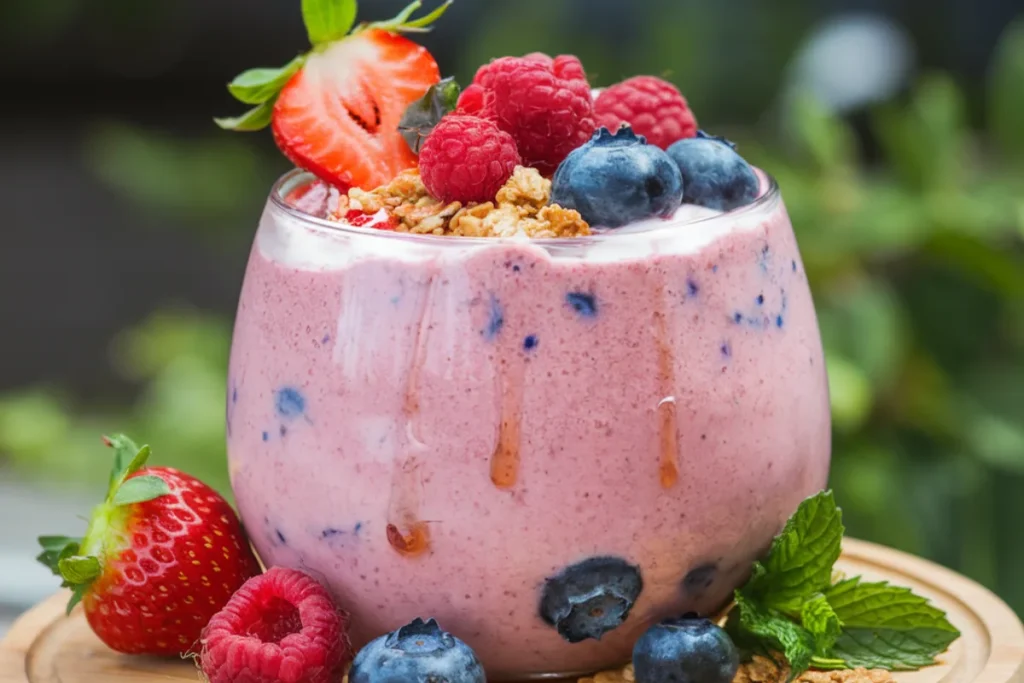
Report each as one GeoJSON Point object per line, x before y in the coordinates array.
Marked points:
{"type": "Point", "coordinates": [771, 196]}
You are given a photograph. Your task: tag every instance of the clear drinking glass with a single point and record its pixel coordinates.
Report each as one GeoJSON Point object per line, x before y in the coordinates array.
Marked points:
{"type": "Point", "coordinates": [441, 426]}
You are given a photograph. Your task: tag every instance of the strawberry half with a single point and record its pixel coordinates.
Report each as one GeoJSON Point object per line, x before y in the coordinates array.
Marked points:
{"type": "Point", "coordinates": [336, 110]}
{"type": "Point", "coordinates": [162, 554]}
{"type": "Point", "coordinates": [338, 117]}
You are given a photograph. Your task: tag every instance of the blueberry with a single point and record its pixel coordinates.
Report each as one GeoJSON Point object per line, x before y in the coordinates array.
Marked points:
{"type": "Point", "coordinates": [714, 175]}
{"type": "Point", "coordinates": [419, 652]}
{"type": "Point", "coordinates": [616, 179]}
{"type": "Point", "coordinates": [685, 650]}
{"type": "Point", "coordinates": [590, 598]}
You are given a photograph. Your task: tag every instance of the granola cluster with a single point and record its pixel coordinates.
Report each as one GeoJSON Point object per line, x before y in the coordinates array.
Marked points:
{"type": "Point", "coordinates": [764, 670]}
{"type": "Point", "coordinates": [520, 208]}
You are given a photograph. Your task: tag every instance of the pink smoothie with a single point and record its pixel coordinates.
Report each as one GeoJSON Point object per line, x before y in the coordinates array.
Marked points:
{"type": "Point", "coordinates": [434, 426]}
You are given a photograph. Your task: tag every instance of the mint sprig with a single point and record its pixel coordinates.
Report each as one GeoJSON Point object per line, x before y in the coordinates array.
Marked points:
{"type": "Point", "coordinates": [326, 22]}
{"type": "Point", "coordinates": [790, 605]}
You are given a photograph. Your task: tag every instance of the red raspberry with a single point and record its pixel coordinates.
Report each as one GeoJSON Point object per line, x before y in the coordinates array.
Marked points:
{"type": "Point", "coordinates": [278, 627]}
{"type": "Point", "coordinates": [543, 103]}
{"type": "Point", "coordinates": [467, 159]}
{"type": "Point", "coordinates": [653, 107]}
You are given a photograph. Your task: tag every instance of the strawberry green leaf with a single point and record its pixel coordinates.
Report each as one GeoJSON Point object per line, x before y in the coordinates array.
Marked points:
{"type": "Point", "coordinates": [140, 489]}
{"type": "Point", "coordinates": [76, 597]}
{"type": "Point", "coordinates": [54, 547]}
{"type": "Point", "coordinates": [428, 19]}
{"type": "Point", "coordinates": [887, 627]}
{"type": "Point", "coordinates": [799, 562]}
{"type": "Point", "coordinates": [820, 620]}
{"type": "Point", "coordinates": [79, 569]}
{"type": "Point", "coordinates": [400, 23]}
{"type": "Point", "coordinates": [125, 451]}
{"type": "Point", "coordinates": [138, 461]}
{"type": "Point", "coordinates": [328, 20]}
{"type": "Point", "coordinates": [759, 623]}
{"type": "Point", "coordinates": [421, 116]}
{"type": "Point", "coordinates": [256, 86]}
{"type": "Point", "coordinates": [255, 119]}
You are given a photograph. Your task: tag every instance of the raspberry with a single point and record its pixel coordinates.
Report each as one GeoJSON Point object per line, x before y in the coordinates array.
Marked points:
{"type": "Point", "coordinates": [543, 103]}
{"type": "Point", "coordinates": [278, 627]}
{"type": "Point", "coordinates": [467, 159]}
{"type": "Point", "coordinates": [652, 107]}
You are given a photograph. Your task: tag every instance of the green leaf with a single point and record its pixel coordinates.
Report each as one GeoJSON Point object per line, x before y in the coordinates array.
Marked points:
{"type": "Point", "coordinates": [76, 597]}
{"type": "Point", "coordinates": [256, 86]}
{"type": "Point", "coordinates": [421, 116]}
{"type": "Point", "coordinates": [141, 489]}
{"type": "Point", "coordinates": [125, 451]}
{"type": "Point", "coordinates": [778, 631]}
{"type": "Point", "coordinates": [55, 547]}
{"type": "Point", "coordinates": [255, 119]}
{"type": "Point", "coordinates": [79, 569]}
{"type": "Point", "coordinates": [887, 626]}
{"type": "Point", "coordinates": [820, 620]}
{"type": "Point", "coordinates": [400, 22]}
{"type": "Point", "coordinates": [430, 18]}
{"type": "Point", "coordinates": [138, 461]}
{"type": "Point", "coordinates": [328, 20]}
{"type": "Point", "coordinates": [799, 562]}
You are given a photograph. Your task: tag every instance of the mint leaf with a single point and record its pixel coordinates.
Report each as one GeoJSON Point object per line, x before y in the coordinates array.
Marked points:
{"type": "Point", "coordinates": [256, 86]}
{"type": "Point", "coordinates": [252, 120]}
{"type": "Point", "coordinates": [328, 20]}
{"type": "Point", "coordinates": [887, 626]}
{"type": "Point", "coordinates": [820, 620]}
{"type": "Point", "coordinates": [777, 630]}
{"type": "Point", "coordinates": [141, 489]}
{"type": "Point", "coordinates": [799, 562]}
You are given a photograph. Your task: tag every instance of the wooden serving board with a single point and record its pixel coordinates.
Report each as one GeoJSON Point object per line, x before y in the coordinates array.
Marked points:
{"type": "Point", "coordinates": [44, 646]}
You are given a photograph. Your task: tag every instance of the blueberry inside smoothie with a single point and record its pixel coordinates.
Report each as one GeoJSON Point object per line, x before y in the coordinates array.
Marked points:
{"type": "Point", "coordinates": [547, 381]}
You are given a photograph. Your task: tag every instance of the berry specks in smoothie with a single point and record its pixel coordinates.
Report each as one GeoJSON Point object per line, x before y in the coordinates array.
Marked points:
{"type": "Point", "coordinates": [289, 402]}
{"type": "Point", "coordinates": [530, 342]}
{"type": "Point", "coordinates": [325, 339]}
{"type": "Point", "coordinates": [590, 598]}
{"type": "Point", "coordinates": [496, 320]}
{"type": "Point", "coordinates": [765, 258]}
{"type": "Point", "coordinates": [583, 303]}
{"type": "Point", "coordinates": [778, 321]}
{"type": "Point", "coordinates": [737, 317]}
{"type": "Point", "coordinates": [280, 537]}
{"type": "Point", "coordinates": [760, 299]}
{"type": "Point", "coordinates": [266, 436]}
{"type": "Point", "coordinates": [331, 532]}
{"type": "Point", "coordinates": [282, 431]}
{"type": "Point", "coordinates": [792, 265]}
{"type": "Point", "coordinates": [726, 350]}
{"type": "Point", "coordinates": [699, 579]}
{"type": "Point", "coordinates": [692, 288]}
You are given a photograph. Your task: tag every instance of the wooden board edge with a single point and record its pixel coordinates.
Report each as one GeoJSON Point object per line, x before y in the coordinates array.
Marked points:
{"type": "Point", "coordinates": [24, 632]}
{"type": "Point", "coordinates": [1005, 630]}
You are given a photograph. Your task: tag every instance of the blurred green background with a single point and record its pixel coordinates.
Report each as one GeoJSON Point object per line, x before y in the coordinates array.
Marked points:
{"type": "Point", "coordinates": [897, 138]}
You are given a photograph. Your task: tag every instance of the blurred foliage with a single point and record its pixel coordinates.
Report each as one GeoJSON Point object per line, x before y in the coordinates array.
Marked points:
{"type": "Point", "coordinates": [916, 264]}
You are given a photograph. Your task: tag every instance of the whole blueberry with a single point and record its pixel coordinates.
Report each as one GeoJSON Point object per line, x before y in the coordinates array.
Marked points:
{"type": "Point", "coordinates": [617, 179]}
{"type": "Point", "coordinates": [590, 598]}
{"type": "Point", "coordinates": [714, 174]}
{"type": "Point", "coordinates": [419, 652]}
{"type": "Point", "coordinates": [685, 650]}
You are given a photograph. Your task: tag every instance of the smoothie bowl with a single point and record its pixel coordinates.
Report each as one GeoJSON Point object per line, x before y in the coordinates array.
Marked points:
{"type": "Point", "coordinates": [466, 428]}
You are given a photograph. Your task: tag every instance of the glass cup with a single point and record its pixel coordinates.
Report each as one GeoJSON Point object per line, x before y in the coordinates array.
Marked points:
{"type": "Point", "coordinates": [535, 442]}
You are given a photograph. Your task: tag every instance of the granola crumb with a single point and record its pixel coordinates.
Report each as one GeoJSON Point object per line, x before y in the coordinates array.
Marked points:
{"type": "Point", "coordinates": [520, 209]}
{"type": "Point", "coordinates": [764, 670]}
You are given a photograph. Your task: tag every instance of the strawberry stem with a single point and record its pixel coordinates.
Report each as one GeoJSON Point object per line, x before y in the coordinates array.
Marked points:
{"type": "Point", "coordinates": [400, 22]}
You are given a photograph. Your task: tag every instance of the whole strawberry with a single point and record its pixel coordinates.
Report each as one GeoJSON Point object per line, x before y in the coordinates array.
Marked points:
{"type": "Point", "coordinates": [161, 555]}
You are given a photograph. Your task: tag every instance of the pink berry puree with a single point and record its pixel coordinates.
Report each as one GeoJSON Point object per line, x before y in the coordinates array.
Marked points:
{"type": "Point", "coordinates": [434, 426]}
